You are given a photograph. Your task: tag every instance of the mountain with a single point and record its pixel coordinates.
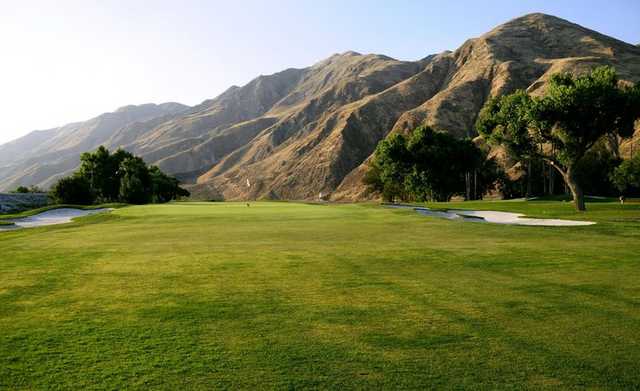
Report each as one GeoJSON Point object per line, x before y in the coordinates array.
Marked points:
{"type": "Point", "coordinates": [41, 156]}
{"type": "Point", "coordinates": [299, 132]}
{"type": "Point", "coordinates": [325, 152]}
{"type": "Point", "coordinates": [522, 53]}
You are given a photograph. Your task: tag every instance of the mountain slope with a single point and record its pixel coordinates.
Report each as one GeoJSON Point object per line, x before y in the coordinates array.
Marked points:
{"type": "Point", "coordinates": [301, 132]}
{"type": "Point", "coordinates": [40, 156]}
{"type": "Point", "coordinates": [446, 93]}
{"type": "Point", "coordinates": [321, 89]}
{"type": "Point", "coordinates": [522, 53]}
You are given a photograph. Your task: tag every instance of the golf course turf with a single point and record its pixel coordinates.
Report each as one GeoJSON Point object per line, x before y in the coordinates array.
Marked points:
{"type": "Point", "coordinates": [291, 295]}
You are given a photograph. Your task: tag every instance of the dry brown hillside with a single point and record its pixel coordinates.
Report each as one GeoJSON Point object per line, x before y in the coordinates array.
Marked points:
{"type": "Point", "coordinates": [447, 93]}
{"type": "Point", "coordinates": [522, 53]}
{"type": "Point", "coordinates": [301, 132]}
{"type": "Point", "coordinates": [41, 156]}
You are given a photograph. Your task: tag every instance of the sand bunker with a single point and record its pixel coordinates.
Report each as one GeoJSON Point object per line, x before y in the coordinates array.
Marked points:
{"type": "Point", "coordinates": [50, 217]}
{"type": "Point", "coordinates": [490, 216]}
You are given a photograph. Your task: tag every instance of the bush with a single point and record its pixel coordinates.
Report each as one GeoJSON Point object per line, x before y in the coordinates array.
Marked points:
{"type": "Point", "coordinates": [26, 190]}
{"type": "Point", "coordinates": [72, 190]}
{"type": "Point", "coordinates": [626, 177]}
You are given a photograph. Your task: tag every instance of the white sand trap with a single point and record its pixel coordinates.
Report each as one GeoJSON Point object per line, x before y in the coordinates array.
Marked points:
{"type": "Point", "coordinates": [50, 217]}
{"type": "Point", "coordinates": [490, 216]}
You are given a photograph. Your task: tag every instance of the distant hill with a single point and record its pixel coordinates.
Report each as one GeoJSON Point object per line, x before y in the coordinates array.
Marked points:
{"type": "Point", "coordinates": [41, 156]}
{"type": "Point", "coordinates": [300, 132]}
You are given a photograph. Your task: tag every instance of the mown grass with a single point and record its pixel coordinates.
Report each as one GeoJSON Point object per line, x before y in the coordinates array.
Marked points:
{"type": "Point", "coordinates": [284, 295]}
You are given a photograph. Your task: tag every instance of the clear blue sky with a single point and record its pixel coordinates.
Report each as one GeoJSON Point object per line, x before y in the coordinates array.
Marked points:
{"type": "Point", "coordinates": [64, 61]}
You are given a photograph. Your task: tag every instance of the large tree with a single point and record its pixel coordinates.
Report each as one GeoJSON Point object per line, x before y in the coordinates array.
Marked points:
{"type": "Point", "coordinates": [164, 188]}
{"type": "Point", "coordinates": [102, 170]}
{"type": "Point", "coordinates": [121, 176]}
{"type": "Point", "coordinates": [565, 123]}
{"type": "Point", "coordinates": [389, 168]}
{"type": "Point", "coordinates": [135, 184]}
{"type": "Point", "coordinates": [429, 165]}
{"type": "Point", "coordinates": [440, 164]}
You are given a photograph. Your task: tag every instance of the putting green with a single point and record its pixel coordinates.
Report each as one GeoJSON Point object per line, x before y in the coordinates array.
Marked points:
{"type": "Point", "coordinates": [285, 295]}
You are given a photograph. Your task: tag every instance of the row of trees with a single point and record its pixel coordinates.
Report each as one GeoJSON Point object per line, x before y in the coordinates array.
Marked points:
{"type": "Point", "coordinates": [118, 177]}
{"type": "Point", "coordinates": [430, 165]}
{"type": "Point", "coordinates": [27, 190]}
{"type": "Point", "coordinates": [573, 130]}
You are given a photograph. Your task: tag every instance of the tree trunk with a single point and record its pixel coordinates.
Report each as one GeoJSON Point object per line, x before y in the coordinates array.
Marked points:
{"type": "Point", "coordinates": [475, 185]}
{"type": "Point", "coordinates": [570, 181]}
{"type": "Point", "coordinates": [552, 181]}
{"type": "Point", "coordinates": [544, 178]}
{"type": "Point", "coordinates": [467, 183]}
{"type": "Point", "coordinates": [576, 189]}
{"type": "Point", "coordinates": [528, 195]}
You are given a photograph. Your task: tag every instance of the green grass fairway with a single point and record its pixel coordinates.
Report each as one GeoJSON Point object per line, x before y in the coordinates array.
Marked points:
{"type": "Point", "coordinates": [283, 295]}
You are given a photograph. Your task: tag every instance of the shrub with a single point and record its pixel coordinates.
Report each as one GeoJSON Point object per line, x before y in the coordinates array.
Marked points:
{"type": "Point", "coordinates": [72, 190]}
{"type": "Point", "coordinates": [626, 177]}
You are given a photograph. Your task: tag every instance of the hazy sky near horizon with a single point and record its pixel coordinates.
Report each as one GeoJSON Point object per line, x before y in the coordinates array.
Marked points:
{"type": "Point", "coordinates": [64, 61]}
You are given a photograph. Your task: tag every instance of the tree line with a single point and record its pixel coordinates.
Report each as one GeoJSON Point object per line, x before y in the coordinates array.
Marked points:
{"type": "Point", "coordinates": [116, 177]}
{"type": "Point", "coordinates": [28, 190]}
{"type": "Point", "coordinates": [428, 165]}
{"type": "Point", "coordinates": [570, 135]}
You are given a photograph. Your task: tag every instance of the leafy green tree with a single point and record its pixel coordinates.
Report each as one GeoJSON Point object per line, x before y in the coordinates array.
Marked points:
{"type": "Point", "coordinates": [116, 173]}
{"type": "Point", "coordinates": [135, 183]}
{"type": "Point", "coordinates": [626, 177]}
{"type": "Point", "coordinates": [120, 176]}
{"type": "Point", "coordinates": [75, 189]}
{"type": "Point", "coordinates": [487, 176]}
{"type": "Point", "coordinates": [439, 164]}
{"type": "Point", "coordinates": [594, 170]}
{"type": "Point", "coordinates": [389, 168]}
{"type": "Point", "coordinates": [102, 171]}
{"type": "Point", "coordinates": [428, 165]}
{"type": "Point", "coordinates": [164, 188]}
{"type": "Point", "coordinates": [564, 124]}
{"type": "Point", "coordinates": [21, 190]}
{"type": "Point", "coordinates": [94, 167]}
{"type": "Point", "coordinates": [30, 189]}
